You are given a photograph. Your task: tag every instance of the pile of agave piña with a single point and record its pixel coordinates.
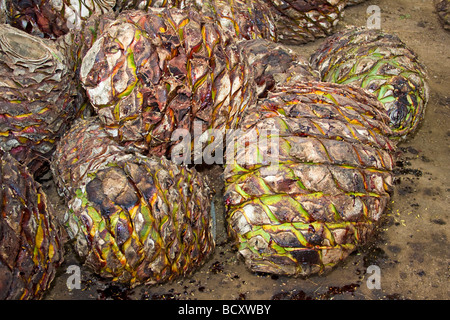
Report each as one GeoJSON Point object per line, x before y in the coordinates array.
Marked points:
{"type": "Point", "coordinates": [99, 91]}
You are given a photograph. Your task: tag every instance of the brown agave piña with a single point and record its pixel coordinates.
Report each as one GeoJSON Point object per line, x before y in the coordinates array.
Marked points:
{"type": "Point", "coordinates": [53, 18]}
{"type": "Point", "coordinates": [443, 11]}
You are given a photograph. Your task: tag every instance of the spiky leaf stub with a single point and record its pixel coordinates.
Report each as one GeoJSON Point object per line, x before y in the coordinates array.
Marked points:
{"type": "Point", "coordinates": [54, 18]}
{"type": "Point", "coordinates": [135, 219]}
{"type": "Point", "coordinates": [382, 64]}
{"type": "Point", "coordinates": [37, 96]}
{"type": "Point", "coordinates": [30, 245]}
{"type": "Point", "coordinates": [151, 73]}
{"type": "Point", "coordinates": [275, 65]}
{"type": "Point", "coordinates": [443, 11]}
{"type": "Point", "coordinates": [302, 21]}
{"type": "Point", "coordinates": [309, 177]}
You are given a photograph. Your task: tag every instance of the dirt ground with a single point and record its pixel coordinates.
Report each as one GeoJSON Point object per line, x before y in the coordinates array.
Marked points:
{"type": "Point", "coordinates": [412, 246]}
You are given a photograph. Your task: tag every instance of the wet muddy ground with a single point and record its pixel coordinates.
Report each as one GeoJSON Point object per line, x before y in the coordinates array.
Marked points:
{"type": "Point", "coordinates": [411, 247]}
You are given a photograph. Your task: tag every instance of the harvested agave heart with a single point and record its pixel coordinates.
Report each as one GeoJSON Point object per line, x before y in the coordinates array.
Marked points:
{"type": "Point", "coordinates": [151, 73]}
{"type": "Point", "coordinates": [243, 19]}
{"type": "Point", "coordinates": [238, 20]}
{"type": "Point", "coordinates": [382, 64]}
{"type": "Point", "coordinates": [443, 11]}
{"type": "Point", "coordinates": [275, 65]}
{"type": "Point", "coordinates": [303, 21]}
{"type": "Point", "coordinates": [54, 18]}
{"type": "Point", "coordinates": [3, 12]}
{"type": "Point", "coordinates": [38, 96]}
{"type": "Point", "coordinates": [309, 177]}
{"type": "Point", "coordinates": [30, 241]}
{"type": "Point", "coordinates": [135, 219]}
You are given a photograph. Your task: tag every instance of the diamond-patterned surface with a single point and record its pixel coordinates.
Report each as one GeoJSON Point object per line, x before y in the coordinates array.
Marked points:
{"type": "Point", "coordinates": [30, 247]}
{"type": "Point", "coordinates": [383, 65]}
{"type": "Point", "coordinates": [309, 209]}
{"type": "Point", "coordinates": [161, 71]}
{"type": "Point", "coordinates": [135, 219]}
